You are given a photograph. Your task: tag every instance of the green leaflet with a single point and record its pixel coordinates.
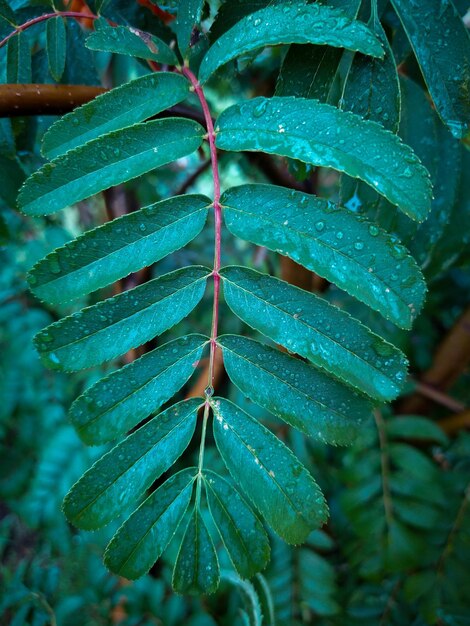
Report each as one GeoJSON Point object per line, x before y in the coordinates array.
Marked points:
{"type": "Point", "coordinates": [107, 329]}
{"type": "Point", "coordinates": [197, 567]}
{"type": "Point", "coordinates": [117, 403]}
{"type": "Point", "coordinates": [12, 177]}
{"type": "Point", "coordinates": [144, 536]}
{"type": "Point", "coordinates": [18, 68]}
{"type": "Point", "coordinates": [242, 533]}
{"type": "Point", "coordinates": [324, 135]}
{"type": "Point", "coordinates": [415, 427]}
{"type": "Point", "coordinates": [7, 13]}
{"type": "Point", "coordinates": [267, 471]}
{"type": "Point", "coordinates": [107, 253]}
{"type": "Point", "coordinates": [447, 74]}
{"type": "Point", "coordinates": [340, 246]}
{"type": "Point", "coordinates": [310, 71]}
{"type": "Point", "coordinates": [253, 611]}
{"type": "Point", "coordinates": [295, 391]}
{"type": "Point", "coordinates": [107, 161]}
{"type": "Point", "coordinates": [130, 41]}
{"type": "Point", "coordinates": [372, 88]}
{"type": "Point", "coordinates": [122, 475]}
{"type": "Point", "coordinates": [56, 46]}
{"type": "Point", "coordinates": [122, 106]}
{"type": "Point", "coordinates": [189, 16]}
{"type": "Point", "coordinates": [289, 22]}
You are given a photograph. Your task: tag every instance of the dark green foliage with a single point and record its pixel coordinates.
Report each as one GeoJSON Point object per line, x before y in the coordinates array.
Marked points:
{"type": "Point", "coordinates": [201, 490]}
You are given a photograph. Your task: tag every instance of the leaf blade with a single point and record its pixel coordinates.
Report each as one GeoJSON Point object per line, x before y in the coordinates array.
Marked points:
{"type": "Point", "coordinates": [448, 80]}
{"type": "Point", "coordinates": [56, 46]}
{"type": "Point", "coordinates": [267, 471]}
{"type": "Point", "coordinates": [143, 537]}
{"type": "Point", "coordinates": [109, 252]}
{"type": "Point", "coordinates": [295, 22]}
{"type": "Point", "coordinates": [121, 107]}
{"type": "Point", "coordinates": [115, 158]}
{"type": "Point", "coordinates": [117, 403]}
{"type": "Point", "coordinates": [340, 246]}
{"type": "Point", "coordinates": [107, 329]}
{"type": "Point", "coordinates": [124, 473]}
{"type": "Point", "coordinates": [294, 391]}
{"type": "Point", "coordinates": [283, 125]}
{"type": "Point", "coordinates": [240, 530]}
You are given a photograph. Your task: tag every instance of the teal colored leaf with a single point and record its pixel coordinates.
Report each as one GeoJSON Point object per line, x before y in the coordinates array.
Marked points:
{"type": "Point", "coordinates": [293, 22]}
{"type": "Point", "coordinates": [443, 54]}
{"type": "Point", "coordinates": [188, 18]}
{"type": "Point", "coordinates": [310, 71]}
{"type": "Point", "coordinates": [267, 471]}
{"type": "Point", "coordinates": [143, 537]}
{"type": "Point", "coordinates": [122, 475]}
{"type": "Point", "coordinates": [241, 531]}
{"type": "Point", "coordinates": [107, 329]}
{"type": "Point", "coordinates": [295, 391]}
{"type": "Point", "coordinates": [107, 253]}
{"type": "Point", "coordinates": [12, 177]}
{"type": "Point", "coordinates": [415, 427]}
{"type": "Point", "coordinates": [197, 567]}
{"type": "Point", "coordinates": [7, 13]}
{"type": "Point", "coordinates": [354, 254]}
{"type": "Point", "coordinates": [18, 66]}
{"type": "Point", "coordinates": [117, 403]}
{"type": "Point", "coordinates": [130, 41]}
{"type": "Point", "coordinates": [56, 46]}
{"type": "Point", "coordinates": [122, 106]}
{"type": "Point", "coordinates": [107, 161]}
{"type": "Point", "coordinates": [253, 612]}
{"type": "Point", "coordinates": [372, 88]}
{"type": "Point", "coordinates": [321, 134]}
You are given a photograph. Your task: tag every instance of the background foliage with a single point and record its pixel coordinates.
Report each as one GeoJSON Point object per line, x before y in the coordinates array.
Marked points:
{"type": "Point", "coordinates": [396, 547]}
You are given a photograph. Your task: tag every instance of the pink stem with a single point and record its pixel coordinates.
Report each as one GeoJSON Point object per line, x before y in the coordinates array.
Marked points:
{"type": "Point", "coordinates": [43, 18]}
{"type": "Point", "coordinates": [217, 215]}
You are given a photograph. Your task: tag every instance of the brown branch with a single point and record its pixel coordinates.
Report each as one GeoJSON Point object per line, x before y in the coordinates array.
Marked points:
{"type": "Point", "coordinates": [451, 359]}
{"type": "Point", "coordinates": [36, 99]}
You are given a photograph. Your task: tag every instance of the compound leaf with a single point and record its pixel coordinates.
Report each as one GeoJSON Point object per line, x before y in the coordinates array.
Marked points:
{"type": "Point", "coordinates": [241, 531]}
{"type": "Point", "coordinates": [112, 159]}
{"type": "Point", "coordinates": [197, 567]}
{"type": "Point", "coordinates": [122, 106]}
{"type": "Point", "coordinates": [337, 244]}
{"type": "Point", "coordinates": [295, 391]}
{"type": "Point", "coordinates": [56, 46]}
{"type": "Point", "coordinates": [130, 41]}
{"type": "Point", "coordinates": [321, 134]}
{"type": "Point", "coordinates": [293, 22]}
{"type": "Point", "coordinates": [122, 475]}
{"type": "Point", "coordinates": [117, 403]}
{"type": "Point", "coordinates": [107, 253]}
{"type": "Point", "coordinates": [112, 327]}
{"type": "Point", "coordinates": [447, 74]}
{"type": "Point", "coordinates": [267, 471]}
{"type": "Point", "coordinates": [143, 537]}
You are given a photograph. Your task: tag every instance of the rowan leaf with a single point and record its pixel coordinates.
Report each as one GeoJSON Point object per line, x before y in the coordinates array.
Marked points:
{"type": "Point", "coordinates": [107, 329]}
{"type": "Point", "coordinates": [337, 244]}
{"type": "Point", "coordinates": [293, 390]}
{"type": "Point", "coordinates": [18, 61]}
{"type": "Point", "coordinates": [321, 134]}
{"type": "Point", "coordinates": [241, 531]}
{"type": "Point", "coordinates": [118, 402]}
{"type": "Point", "coordinates": [56, 46]}
{"type": "Point", "coordinates": [188, 18]}
{"type": "Point", "coordinates": [111, 251]}
{"type": "Point", "coordinates": [122, 475]}
{"type": "Point", "coordinates": [112, 159]}
{"type": "Point", "coordinates": [447, 73]}
{"type": "Point", "coordinates": [271, 476]}
{"type": "Point", "coordinates": [141, 540]}
{"type": "Point", "coordinates": [197, 568]}
{"type": "Point", "coordinates": [121, 107]}
{"type": "Point", "coordinates": [130, 41]}
{"type": "Point", "coordinates": [293, 22]}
